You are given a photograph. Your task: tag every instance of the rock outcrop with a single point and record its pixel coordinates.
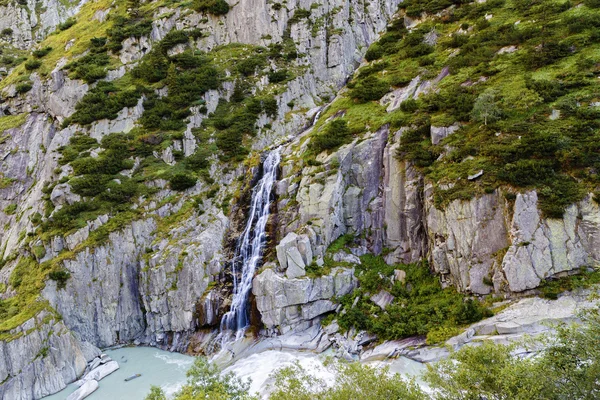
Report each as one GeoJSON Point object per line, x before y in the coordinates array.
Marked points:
{"type": "Point", "coordinates": [286, 303]}
{"type": "Point", "coordinates": [41, 358]}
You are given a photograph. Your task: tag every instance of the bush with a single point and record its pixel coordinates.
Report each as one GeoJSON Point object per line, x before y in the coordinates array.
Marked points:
{"type": "Point", "coordinates": [42, 52]}
{"type": "Point", "coordinates": [61, 277]}
{"type": "Point", "coordinates": [172, 39]}
{"type": "Point", "coordinates": [592, 3]}
{"type": "Point", "coordinates": [32, 65]}
{"type": "Point", "coordinates": [182, 181]}
{"type": "Point", "coordinates": [334, 135]}
{"type": "Point", "coordinates": [278, 76]}
{"type": "Point", "coordinates": [205, 381]}
{"type": "Point", "coordinates": [409, 106]}
{"type": "Point", "coordinates": [23, 87]}
{"type": "Point", "coordinates": [214, 7]}
{"type": "Point", "coordinates": [103, 101]}
{"type": "Point", "coordinates": [420, 305]}
{"type": "Point", "coordinates": [124, 28]}
{"type": "Point", "coordinates": [7, 32]}
{"type": "Point", "coordinates": [248, 66]}
{"type": "Point", "coordinates": [352, 381]}
{"type": "Point", "coordinates": [375, 52]}
{"type": "Point", "coordinates": [67, 24]}
{"type": "Point", "coordinates": [369, 89]}
{"type": "Point", "coordinates": [198, 160]}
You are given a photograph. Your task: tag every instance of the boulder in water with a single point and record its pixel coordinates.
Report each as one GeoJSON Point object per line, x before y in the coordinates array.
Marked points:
{"type": "Point", "coordinates": [84, 391]}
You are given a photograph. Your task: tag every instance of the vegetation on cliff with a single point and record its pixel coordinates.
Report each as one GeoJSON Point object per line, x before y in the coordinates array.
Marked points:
{"type": "Point", "coordinates": [517, 78]}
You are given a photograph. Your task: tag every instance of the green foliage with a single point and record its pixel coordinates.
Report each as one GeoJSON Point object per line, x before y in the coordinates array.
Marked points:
{"type": "Point", "coordinates": [552, 288]}
{"type": "Point", "coordinates": [334, 135]}
{"type": "Point", "coordinates": [592, 3]}
{"type": "Point", "coordinates": [205, 382]}
{"type": "Point", "coordinates": [214, 7]}
{"type": "Point", "coordinates": [42, 52]}
{"type": "Point", "coordinates": [103, 101]}
{"type": "Point", "coordinates": [502, 102]}
{"type": "Point", "coordinates": [369, 89]}
{"type": "Point", "coordinates": [420, 305]}
{"type": "Point", "coordinates": [352, 381]}
{"type": "Point", "coordinates": [67, 24]}
{"type": "Point", "coordinates": [299, 15]}
{"type": "Point", "coordinates": [486, 108]}
{"type": "Point", "coordinates": [187, 76]}
{"type": "Point", "coordinates": [61, 277]}
{"type": "Point", "coordinates": [416, 146]}
{"type": "Point", "coordinates": [23, 87]}
{"type": "Point", "coordinates": [123, 28]}
{"type": "Point", "coordinates": [248, 66]}
{"type": "Point", "coordinates": [92, 66]}
{"type": "Point", "coordinates": [182, 181]}
{"type": "Point", "coordinates": [10, 209]}
{"type": "Point", "coordinates": [32, 64]}
{"type": "Point", "coordinates": [440, 334]}
{"type": "Point", "coordinates": [568, 368]}
{"type": "Point", "coordinates": [278, 76]}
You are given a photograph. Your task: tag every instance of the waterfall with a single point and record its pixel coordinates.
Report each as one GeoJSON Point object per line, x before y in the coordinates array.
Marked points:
{"type": "Point", "coordinates": [248, 253]}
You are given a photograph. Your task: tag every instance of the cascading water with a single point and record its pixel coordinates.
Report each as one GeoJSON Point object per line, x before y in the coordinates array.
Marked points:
{"type": "Point", "coordinates": [248, 253]}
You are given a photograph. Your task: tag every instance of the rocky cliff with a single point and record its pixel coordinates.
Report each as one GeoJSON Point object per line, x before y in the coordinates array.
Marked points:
{"type": "Point", "coordinates": [146, 281]}
{"type": "Point", "coordinates": [151, 267]}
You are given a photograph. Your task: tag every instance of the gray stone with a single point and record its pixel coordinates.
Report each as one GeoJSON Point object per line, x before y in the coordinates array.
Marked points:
{"type": "Point", "coordinates": [382, 299]}
{"type": "Point", "coordinates": [99, 373]}
{"type": "Point", "coordinates": [84, 391]}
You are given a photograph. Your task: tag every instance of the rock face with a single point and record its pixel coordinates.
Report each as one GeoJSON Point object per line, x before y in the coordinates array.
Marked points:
{"type": "Point", "coordinates": [42, 360]}
{"type": "Point", "coordinates": [148, 282]}
{"type": "Point", "coordinates": [286, 303]}
{"type": "Point", "coordinates": [152, 280]}
{"type": "Point", "coordinates": [31, 21]}
{"type": "Point", "coordinates": [483, 245]}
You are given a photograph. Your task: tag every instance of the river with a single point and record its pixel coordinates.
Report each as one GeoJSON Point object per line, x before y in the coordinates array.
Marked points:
{"type": "Point", "coordinates": [167, 370]}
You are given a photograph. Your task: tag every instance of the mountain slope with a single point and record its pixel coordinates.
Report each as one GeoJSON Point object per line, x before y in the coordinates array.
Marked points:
{"type": "Point", "coordinates": [132, 136]}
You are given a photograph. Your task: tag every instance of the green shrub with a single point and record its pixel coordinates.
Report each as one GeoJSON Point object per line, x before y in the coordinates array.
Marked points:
{"type": "Point", "coordinates": [182, 181]}
{"type": "Point", "coordinates": [278, 76]}
{"type": "Point", "coordinates": [31, 65]}
{"type": "Point", "coordinates": [299, 14]}
{"type": "Point", "coordinates": [369, 89]}
{"type": "Point", "coordinates": [124, 28]}
{"type": "Point", "coordinates": [7, 32]}
{"type": "Point", "coordinates": [333, 135]}
{"type": "Point", "coordinates": [198, 160]}
{"type": "Point", "coordinates": [592, 3]}
{"type": "Point", "coordinates": [61, 277]}
{"type": "Point", "coordinates": [416, 146]}
{"type": "Point", "coordinates": [103, 101]}
{"type": "Point", "coordinates": [67, 24]}
{"type": "Point", "coordinates": [420, 305]}
{"type": "Point", "coordinates": [375, 52]}
{"type": "Point", "coordinates": [409, 106]}
{"type": "Point", "coordinates": [23, 87]}
{"type": "Point", "coordinates": [214, 7]}
{"type": "Point", "coordinates": [248, 66]}
{"type": "Point", "coordinates": [10, 209]}
{"type": "Point", "coordinates": [172, 39]}
{"type": "Point", "coordinates": [42, 52]}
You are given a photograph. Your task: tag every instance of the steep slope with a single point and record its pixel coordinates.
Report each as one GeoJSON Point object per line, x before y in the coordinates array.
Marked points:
{"type": "Point", "coordinates": [132, 136]}
{"type": "Point", "coordinates": [116, 182]}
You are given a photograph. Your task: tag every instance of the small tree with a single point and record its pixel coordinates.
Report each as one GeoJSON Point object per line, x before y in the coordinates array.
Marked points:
{"type": "Point", "coordinates": [205, 382]}
{"type": "Point", "coordinates": [486, 107]}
